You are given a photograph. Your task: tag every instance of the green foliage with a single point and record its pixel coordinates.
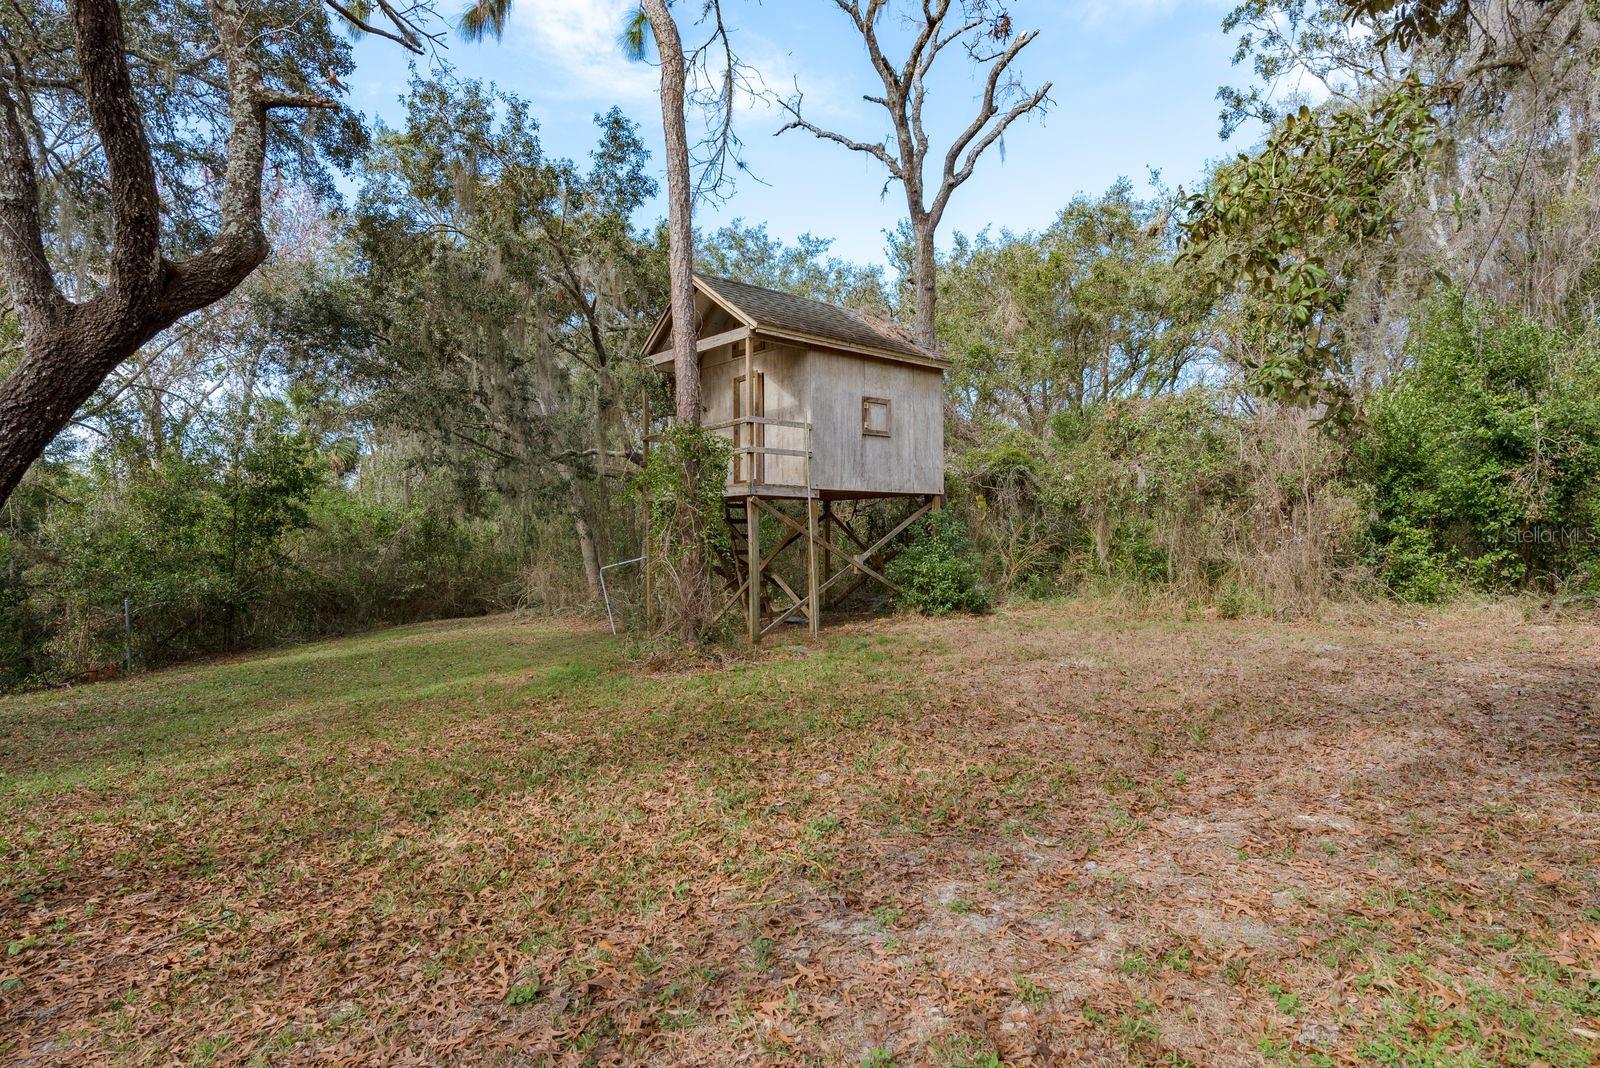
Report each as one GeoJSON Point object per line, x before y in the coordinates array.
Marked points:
{"type": "Point", "coordinates": [1009, 487]}
{"type": "Point", "coordinates": [1484, 456]}
{"type": "Point", "coordinates": [502, 286]}
{"type": "Point", "coordinates": [22, 634]}
{"type": "Point", "coordinates": [937, 570]}
{"type": "Point", "coordinates": [1187, 493]}
{"type": "Point", "coordinates": [1090, 308]}
{"type": "Point", "coordinates": [1144, 474]}
{"type": "Point", "coordinates": [195, 539]}
{"type": "Point", "coordinates": [679, 454]}
{"type": "Point", "coordinates": [1287, 226]}
{"type": "Point", "coordinates": [224, 541]}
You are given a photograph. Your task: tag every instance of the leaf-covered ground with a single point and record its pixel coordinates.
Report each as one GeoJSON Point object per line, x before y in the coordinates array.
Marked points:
{"type": "Point", "coordinates": [1050, 835]}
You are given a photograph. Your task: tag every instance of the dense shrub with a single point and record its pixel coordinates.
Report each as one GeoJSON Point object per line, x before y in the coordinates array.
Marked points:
{"type": "Point", "coordinates": [937, 570]}
{"type": "Point", "coordinates": [194, 539]}
{"type": "Point", "coordinates": [1144, 474]}
{"type": "Point", "coordinates": [219, 550]}
{"type": "Point", "coordinates": [1191, 494]}
{"type": "Point", "coordinates": [1010, 490]}
{"type": "Point", "coordinates": [1483, 456]}
{"type": "Point", "coordinates": [683, 481]}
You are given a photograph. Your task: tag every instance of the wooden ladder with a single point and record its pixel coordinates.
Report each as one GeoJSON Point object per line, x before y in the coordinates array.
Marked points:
{"type": "Point", "coordinates": [736, 565]}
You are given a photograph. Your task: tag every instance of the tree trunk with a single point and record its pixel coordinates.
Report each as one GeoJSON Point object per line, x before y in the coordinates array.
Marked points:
{"type": "Point", "coordinates": [63, 366]}
{"type": "Point", "coordinates": [69, 348]}
{"type": "Point", "coordinates": [925, 278]}
{"type": "Point", "coordinates": [586, 545]}
{"type": "Point", "coordinates": [680, 217]}
{"type": "Point", "coordinates": [694, 593]}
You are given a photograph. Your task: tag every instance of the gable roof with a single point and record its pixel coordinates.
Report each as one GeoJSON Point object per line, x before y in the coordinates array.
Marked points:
{"type": "Point", "coordinates": [782, 315]}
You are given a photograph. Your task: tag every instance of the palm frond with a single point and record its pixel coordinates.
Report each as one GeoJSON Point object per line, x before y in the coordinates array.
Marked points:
{"type": "Point", "coordinates": [634, 40]}
{"type": "Point", "coordinates": [485, 18]}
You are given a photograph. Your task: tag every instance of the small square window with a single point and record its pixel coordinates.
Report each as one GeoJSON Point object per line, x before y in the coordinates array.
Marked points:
{"type": "Point", "coordinates": [875, 417]}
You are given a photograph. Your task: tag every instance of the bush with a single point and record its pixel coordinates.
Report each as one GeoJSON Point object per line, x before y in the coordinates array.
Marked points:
{"type": "Point", "coordinates": [1483, 456]}
{"type": "Point", "coordinates": [1187, 493]}
{"type": "Point", "coordinates": [687, 529]}
{"type": "Point", "coordinates": [217, 554]}
{"type": "Point", "coordinates": [937, 571]}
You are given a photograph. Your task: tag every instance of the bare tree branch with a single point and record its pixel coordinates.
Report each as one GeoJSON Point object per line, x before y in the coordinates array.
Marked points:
{"type": "Point", "coordinates": [404, 34]}
{"type": "Point", "coordinates": [878, 151]}
{"type": "Point", "coordinates": [903, 99]}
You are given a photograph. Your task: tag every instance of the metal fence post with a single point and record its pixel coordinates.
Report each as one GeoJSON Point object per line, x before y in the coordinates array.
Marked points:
{"type": "Point", "coordinates": [127, 635]}
{"type": "Point", "coordinates": [605, 594]}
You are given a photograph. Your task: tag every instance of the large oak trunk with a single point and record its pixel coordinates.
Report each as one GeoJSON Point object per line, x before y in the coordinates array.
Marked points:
{"type": "Point", "coordinates": [61, 370]}
{"type": "Point", "coordinates": [69, 348]}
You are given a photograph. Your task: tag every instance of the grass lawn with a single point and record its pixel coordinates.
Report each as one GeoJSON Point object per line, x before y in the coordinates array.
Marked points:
{"type": "Point", "coordinates": [1060, 833]}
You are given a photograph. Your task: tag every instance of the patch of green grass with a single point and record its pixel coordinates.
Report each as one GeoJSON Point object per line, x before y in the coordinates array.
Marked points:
{"type": "Point", "coordinates": [1138, 1027]}
{"type": "Point", "coordinates": [1288, 1001]}
{"type": "Point", "coordinates": [207, 1050]}
{"type": "Point", "coordinates": [761, 953]}
{"type": "Point", "coordinates": [1135, 963]}
{"type": "Point", "coordinates": [343, 688]}
{"type": "Point", "coordinates": [1031, 993]}
{"type": "Point", "coordinates": [964, 1051]}
{"type": "Point", "coordinates": [1178, 959]}
{"type": "Point", "coordinates": [1415, 1028]}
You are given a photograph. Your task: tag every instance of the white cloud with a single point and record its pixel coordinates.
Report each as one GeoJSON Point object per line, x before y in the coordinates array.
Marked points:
{"type": "Point", "coordinates": [575, 42]}
{"type": "Point", "coordinates": [1096, 14]}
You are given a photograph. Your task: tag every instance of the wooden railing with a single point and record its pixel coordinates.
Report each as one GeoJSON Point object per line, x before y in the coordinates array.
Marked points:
{"type": "Point", "coordinates": [745, 448]}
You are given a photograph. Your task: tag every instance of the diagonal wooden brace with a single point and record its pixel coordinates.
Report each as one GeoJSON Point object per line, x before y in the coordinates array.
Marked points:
{"type": "Point", "coordinates": [860, 562]}
{"type": "Point", "coordinates": [745, 585]}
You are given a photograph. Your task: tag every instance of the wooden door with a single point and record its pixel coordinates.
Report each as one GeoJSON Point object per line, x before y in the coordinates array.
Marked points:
{"type": "Point", "coordinates": [750, 435]}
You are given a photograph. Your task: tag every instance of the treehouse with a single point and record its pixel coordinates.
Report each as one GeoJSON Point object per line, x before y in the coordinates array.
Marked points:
{"type": "Point", "coordinates": [822, 406]}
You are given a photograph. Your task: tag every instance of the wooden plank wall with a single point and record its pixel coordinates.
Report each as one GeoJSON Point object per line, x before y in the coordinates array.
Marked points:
{"type": "Point", "coordinates": [910, 459]}
{"type": "Point", "coordinates": [784, 383]}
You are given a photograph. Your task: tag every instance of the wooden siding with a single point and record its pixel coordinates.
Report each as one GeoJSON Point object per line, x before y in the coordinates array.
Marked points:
{"type": "Point", "coordinates": [783, 372]}
{"type": "Point", "coordinates": [827, 388]}
{"type": "Point", "coordinates": [909, 460]}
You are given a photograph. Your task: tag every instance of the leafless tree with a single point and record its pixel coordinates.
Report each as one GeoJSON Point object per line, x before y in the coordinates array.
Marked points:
{"type": "Point", "coordinates": [983, 30]}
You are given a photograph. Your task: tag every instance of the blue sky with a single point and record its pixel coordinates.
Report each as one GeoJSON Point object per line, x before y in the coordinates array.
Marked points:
{"type": "Point", "coordinates": [1134, 88]}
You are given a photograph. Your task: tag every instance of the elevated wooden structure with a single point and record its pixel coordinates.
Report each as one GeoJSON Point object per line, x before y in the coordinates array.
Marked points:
{"type": "Point", "coordinates": [822, 406]}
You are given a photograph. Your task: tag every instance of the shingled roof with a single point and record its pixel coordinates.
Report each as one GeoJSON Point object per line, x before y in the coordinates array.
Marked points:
{"type": "Point", "coordinates": [767, 311]}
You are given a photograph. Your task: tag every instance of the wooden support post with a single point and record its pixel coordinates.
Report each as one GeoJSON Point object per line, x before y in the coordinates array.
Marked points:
{"type": "Point", "coordinates": [750, 412]}
{"type": "Point", "coordinates": [754, 567]}
{"type": "Point", "coordinates": [647, 550]}
{"type": "Point", "coordinates": [813, 595]}
{"type": "Point", "coordinates": [829, 522]}
{"type": "Point", "coordinates": [859, 563]}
